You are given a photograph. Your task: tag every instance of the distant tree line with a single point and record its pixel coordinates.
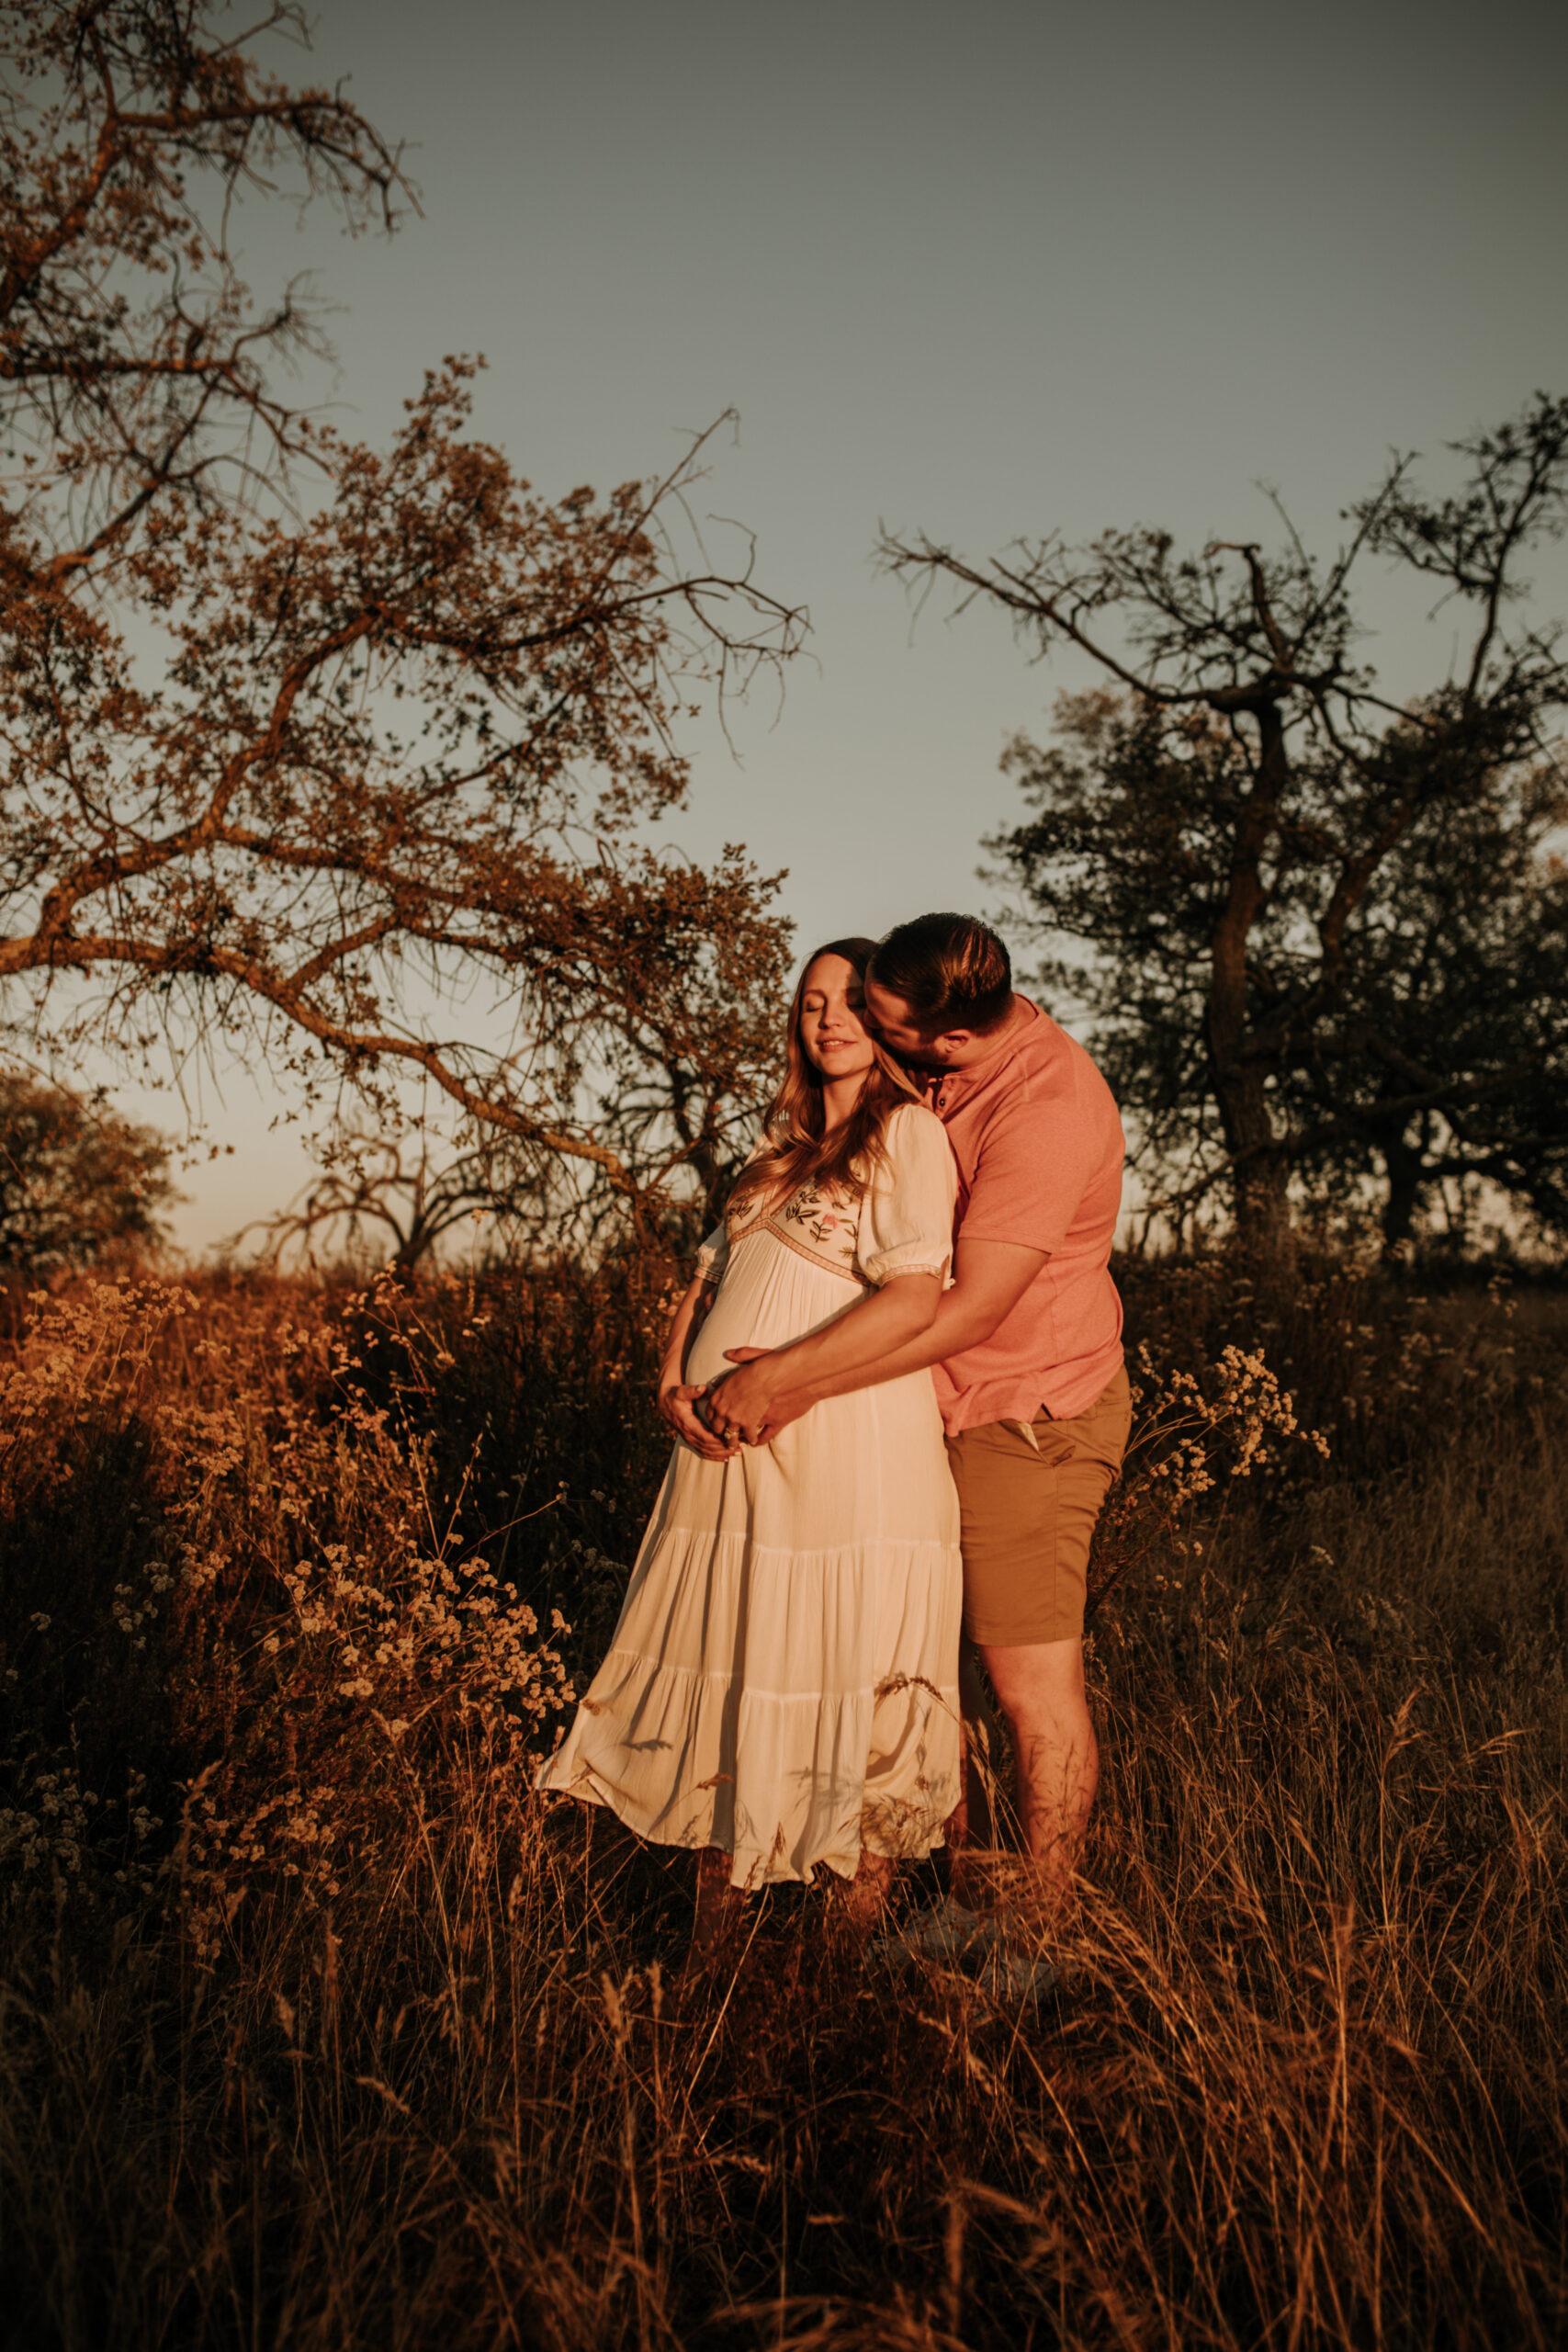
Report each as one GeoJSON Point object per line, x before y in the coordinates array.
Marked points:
{"type": "Point", "coordinates": [78, 1186]}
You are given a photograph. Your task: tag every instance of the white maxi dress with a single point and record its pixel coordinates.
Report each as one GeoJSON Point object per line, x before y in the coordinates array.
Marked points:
{"type": "Point", "coordinates": [782, 1683]}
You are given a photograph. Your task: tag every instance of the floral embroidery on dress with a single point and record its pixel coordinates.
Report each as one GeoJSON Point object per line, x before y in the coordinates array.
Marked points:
{"type": "Point", "coordinates": [831, 1225]}
{"type": "Point", "coordinates": [819, 1222]}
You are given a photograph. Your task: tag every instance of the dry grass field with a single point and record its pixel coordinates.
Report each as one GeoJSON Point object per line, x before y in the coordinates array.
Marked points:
{"type": "Point", "coordinates": [318, 2031]}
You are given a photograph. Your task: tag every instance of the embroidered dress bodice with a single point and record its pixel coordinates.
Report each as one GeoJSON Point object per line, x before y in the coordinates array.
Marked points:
{"type": "Point", "coordinates": [901, 1223]}
{"type": "Point", "coordinates": [823, 1225]}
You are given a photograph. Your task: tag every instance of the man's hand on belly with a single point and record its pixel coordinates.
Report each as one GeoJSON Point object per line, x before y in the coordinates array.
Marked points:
{"type": "Point", "coordinates": [744, 1403]}
{"type": "Point", "coordinates": [777, 1410]}
{"type": "Point", "coordinates": [992, 1276]}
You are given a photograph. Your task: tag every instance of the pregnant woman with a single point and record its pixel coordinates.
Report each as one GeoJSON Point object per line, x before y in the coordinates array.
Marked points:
{"type": "Point", "coordinates": [782, 1687]}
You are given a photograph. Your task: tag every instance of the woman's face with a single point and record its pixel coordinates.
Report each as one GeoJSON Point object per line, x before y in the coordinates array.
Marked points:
{"type": "Point", "coordinates": [832, 1032]}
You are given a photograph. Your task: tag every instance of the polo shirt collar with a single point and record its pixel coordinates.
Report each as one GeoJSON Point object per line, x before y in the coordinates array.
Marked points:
{"type": "Point", "coordinates": [952, 1085]}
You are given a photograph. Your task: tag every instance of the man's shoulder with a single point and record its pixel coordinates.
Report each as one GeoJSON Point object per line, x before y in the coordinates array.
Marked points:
{"type": "Point", "coordinates": [1048, 1066]}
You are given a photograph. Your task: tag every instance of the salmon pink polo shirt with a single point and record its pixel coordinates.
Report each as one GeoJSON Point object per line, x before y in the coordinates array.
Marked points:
{"type": "Point", "coordinates": [1039, 1145]}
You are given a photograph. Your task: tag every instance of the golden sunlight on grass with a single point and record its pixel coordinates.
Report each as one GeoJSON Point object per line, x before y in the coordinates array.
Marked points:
{"type": "Point", "coordinates": [320, 2030]}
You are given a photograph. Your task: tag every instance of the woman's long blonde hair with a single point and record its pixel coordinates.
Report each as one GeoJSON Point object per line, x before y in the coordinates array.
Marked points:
{"type": "Point", "coordinates": [794, 1149]}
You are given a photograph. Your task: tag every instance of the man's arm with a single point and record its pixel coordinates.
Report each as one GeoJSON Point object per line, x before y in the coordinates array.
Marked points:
{"type": "Point", "coordinates": [879, 1326]}
{"type": "Point", "coordinates": [773, 1389]}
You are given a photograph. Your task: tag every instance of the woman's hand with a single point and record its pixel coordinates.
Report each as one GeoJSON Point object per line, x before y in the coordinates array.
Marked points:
{"type": "Point", "coordinates": [674, 1402]}
{"type": "Point", "coordinates": [678, 1407]}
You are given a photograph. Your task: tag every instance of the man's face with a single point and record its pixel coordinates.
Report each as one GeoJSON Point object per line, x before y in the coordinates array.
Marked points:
{"type": "Point", "coordinates": [889, 1019]}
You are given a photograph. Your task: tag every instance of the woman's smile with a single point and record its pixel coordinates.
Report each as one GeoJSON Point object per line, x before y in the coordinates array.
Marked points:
{"type": "Point", "coordinates": [832, 1032]}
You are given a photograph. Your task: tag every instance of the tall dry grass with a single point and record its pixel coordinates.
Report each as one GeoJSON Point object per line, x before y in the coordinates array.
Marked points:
{"type": "Point", "coordinates": [318, 2030]}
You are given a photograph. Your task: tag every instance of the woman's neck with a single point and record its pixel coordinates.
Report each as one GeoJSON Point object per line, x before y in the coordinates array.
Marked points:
{"type": "Point", "coordinates": [840, 1096]}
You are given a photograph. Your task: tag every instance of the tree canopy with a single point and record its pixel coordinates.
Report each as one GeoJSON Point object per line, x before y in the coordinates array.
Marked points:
{"type": "Point", "coordinates": [1328, 929]}
{"type": "Point", "coordinates": [77, 1184]}
{"type": "Point", "coordinates": [348, 755]}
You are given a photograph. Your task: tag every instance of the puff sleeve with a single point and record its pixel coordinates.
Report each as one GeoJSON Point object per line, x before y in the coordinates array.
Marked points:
{"type": "Point", "coordinates": [906, 1220]}
{"type": "Point", "coordinates": [713, 1256]}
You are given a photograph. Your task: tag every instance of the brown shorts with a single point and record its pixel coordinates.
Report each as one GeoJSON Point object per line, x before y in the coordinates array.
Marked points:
{"type": "Point", "coordinates": [1029, 1504]}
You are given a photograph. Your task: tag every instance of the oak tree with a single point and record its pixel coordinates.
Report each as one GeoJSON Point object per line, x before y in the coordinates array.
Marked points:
{"type": "Point", "coordinates": [1326, 929]}
{"type": "Point", "coordinates": [396, 1199]}
{"type": "Point", "coordinates": [349, 755]}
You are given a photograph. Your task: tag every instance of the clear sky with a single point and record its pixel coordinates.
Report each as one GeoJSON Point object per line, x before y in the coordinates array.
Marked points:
{"type": "Point", "coordinates": [987, 270]}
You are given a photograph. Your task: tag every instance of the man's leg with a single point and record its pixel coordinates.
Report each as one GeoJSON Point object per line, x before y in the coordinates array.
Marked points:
{"type": "Point", "coordinates": [1039, 1688]}
{"type": "Point", "coordinates": [971, 1821]}
{"type": "Point", "coordinates": [1030, 1499]}
{"type": "Point", "coordinates": [970, 1830]}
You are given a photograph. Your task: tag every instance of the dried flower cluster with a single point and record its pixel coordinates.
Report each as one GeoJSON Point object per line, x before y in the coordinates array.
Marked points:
{"type": "Point", "coordinates": [297, 1563]}
{"type": "Point", "coordinates": [1193, 1432]}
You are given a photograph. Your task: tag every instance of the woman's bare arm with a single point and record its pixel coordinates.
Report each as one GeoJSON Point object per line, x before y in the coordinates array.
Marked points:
{"type": "Point", "coordinates": [674, 1401]}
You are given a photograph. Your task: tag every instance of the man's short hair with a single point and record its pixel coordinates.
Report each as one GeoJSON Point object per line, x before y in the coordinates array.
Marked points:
{"type": "Point", "coordinates": [952, 971]}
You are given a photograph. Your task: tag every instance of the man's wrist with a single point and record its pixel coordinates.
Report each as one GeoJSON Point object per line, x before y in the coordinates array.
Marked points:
{"type": "Point", "coordinates": [791, 1402]}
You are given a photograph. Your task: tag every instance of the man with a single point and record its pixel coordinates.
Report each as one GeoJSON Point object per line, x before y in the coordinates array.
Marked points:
{"type": "Point", "coordinates": [1026, 1348]}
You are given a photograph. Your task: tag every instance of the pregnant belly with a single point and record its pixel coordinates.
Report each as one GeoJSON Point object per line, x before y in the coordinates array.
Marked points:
{"type": "Point", "coordinates": [769, 1296]}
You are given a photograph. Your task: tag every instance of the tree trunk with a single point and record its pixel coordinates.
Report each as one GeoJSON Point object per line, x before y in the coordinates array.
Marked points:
{"type": "Point", "coordinates": [1259, 1185]}
{"type": "Point", "coordinates": [1260, 1181]}
{"type": "Point", "coordinates": [1403, 1165]}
